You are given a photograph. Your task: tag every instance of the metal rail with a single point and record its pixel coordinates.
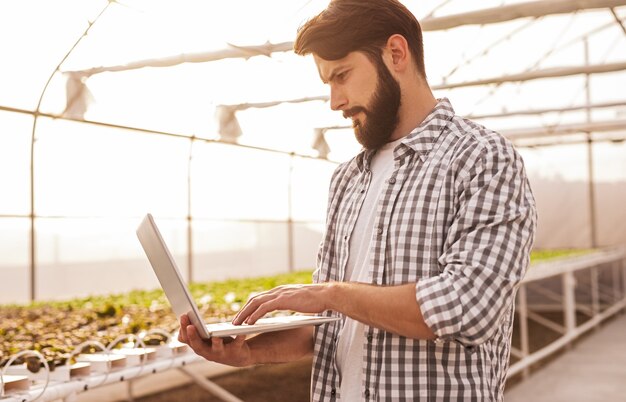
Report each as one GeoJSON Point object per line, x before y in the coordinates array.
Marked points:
{"type": "Point", "coordinates": [571, 273]}
{"type": "Point", "coordinates": [68, 391]}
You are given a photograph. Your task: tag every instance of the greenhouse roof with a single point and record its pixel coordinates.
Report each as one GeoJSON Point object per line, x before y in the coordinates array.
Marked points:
{"type": "Point", "coordinates": [521, 67]}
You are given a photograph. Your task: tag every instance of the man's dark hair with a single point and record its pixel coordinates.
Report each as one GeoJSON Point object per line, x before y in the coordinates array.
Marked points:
{"type": "Point", "coordinates": [360, 25]}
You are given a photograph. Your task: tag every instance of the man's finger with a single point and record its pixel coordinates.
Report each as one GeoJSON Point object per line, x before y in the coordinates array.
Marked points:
{"type": "Point", "coordinates": [243, 314]}
{"type": "Point", "coordinates": [217, 344]}
{"type": "Point", "coordinates": [239, 340]}
{"type": "Point", "coordinates": [253, 305]}
{"type": "Point", "coordinates": [182, 333]}
{"type": "Point", "coordinates": [196, 343]}
{"type": "Point", "coordinates": [260, 312]}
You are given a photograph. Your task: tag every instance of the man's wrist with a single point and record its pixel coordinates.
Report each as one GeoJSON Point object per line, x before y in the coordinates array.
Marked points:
{"type": "Point", "coordinates": [333, 295]}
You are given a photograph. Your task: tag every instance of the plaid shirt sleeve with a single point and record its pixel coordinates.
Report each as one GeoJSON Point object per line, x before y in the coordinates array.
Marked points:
{"type": "Point", "coordinates": [486, 250]}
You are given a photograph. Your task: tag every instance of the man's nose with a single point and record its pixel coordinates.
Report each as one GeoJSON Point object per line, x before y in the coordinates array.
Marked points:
{"type": "Point", "coordinates": [338, 100]}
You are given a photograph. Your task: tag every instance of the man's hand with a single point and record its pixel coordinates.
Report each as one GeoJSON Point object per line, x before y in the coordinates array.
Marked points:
{"type": "Point", "coordinates": [233, 352]}
{"type": "Point", "coordinates": [390, 308]}
{"type": "Point", "coordinates": [299, 298]}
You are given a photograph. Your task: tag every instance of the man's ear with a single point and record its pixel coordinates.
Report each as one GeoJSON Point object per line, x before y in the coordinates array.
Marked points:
{"type": "Point", "coordinates": [398, 49]}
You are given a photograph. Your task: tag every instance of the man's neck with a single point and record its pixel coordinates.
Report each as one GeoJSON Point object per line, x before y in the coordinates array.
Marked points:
{"type": "Point", "coordinates": [416, 104]}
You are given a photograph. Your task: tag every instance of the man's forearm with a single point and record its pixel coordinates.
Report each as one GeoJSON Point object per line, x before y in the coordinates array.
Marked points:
{"type": "Point", "coordinates": [281, 346]}
{"type": "Point", "coordinates": [391, 308]}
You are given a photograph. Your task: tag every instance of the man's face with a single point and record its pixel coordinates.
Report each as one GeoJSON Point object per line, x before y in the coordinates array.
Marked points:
{"type": "Point", "coordinates": [366, 92]}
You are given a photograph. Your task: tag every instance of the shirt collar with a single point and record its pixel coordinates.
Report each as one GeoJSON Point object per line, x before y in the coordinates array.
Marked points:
{"type": "Point", "coordinates": [422, 138]}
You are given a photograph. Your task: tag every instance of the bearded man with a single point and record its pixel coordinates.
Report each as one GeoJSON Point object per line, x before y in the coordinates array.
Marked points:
{"type": "Point", "coordinates": [428, 233]}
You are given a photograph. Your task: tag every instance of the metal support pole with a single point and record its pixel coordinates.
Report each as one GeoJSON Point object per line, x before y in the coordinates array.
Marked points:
{"type": "Point", "coordinates": [623, 264]}
{"type": "Point", "coordinates": [32, 266]}
{"type": "Point", "coordinates": [210, 386]}
{"type": "Point", "coordinates": [32, 244]}
{"type": "Point", "coordinates": [615, 280]}
{"type": "Point", "coordinates": [129, 388]}
{"type": "Point", "coordinates": [523, 326]}
{"type": "Point", "coordinates": [290, 235]}
{"type": "Point", "coordinates": [190, 277]}
{"type": "Point", "coordinates": [592, 198]}
{"type": "Point", "coordinates": [569, 302]}
{"type": "Point", "coordinates": [595, 298]}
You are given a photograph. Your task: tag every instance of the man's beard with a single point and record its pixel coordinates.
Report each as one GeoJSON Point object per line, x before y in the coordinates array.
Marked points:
{"type": "Point", "coordinates": [382, 113]}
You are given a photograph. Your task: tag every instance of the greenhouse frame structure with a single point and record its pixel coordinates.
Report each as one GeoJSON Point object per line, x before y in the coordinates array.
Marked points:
{"type": "Point", "coordinates": [588, 132]}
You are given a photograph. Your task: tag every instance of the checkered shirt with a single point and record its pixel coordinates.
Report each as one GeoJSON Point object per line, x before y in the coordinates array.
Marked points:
{"type": "Point", "coordinates": [456, 217]}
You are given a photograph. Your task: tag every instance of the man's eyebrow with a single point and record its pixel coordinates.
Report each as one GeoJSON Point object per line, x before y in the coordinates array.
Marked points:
{"type": "Point", "coordinates": [333, 74]}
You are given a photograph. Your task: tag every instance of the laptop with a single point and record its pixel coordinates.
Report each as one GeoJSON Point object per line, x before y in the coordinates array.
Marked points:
{"type": "Point", "coordinates": [181, 301]}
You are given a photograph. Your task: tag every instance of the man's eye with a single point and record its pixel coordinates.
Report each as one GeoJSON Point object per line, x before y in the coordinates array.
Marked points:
{"type": "Point", "coordinates": [342, 76]}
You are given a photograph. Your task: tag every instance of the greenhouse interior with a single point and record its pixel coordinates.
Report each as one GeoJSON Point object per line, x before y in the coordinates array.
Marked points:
{"type": "Point", "coordinates": [201, 114]}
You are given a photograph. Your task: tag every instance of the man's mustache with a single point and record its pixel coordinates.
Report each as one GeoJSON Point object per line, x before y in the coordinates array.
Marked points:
{"type": "Point", "coordinates": [352, 111]}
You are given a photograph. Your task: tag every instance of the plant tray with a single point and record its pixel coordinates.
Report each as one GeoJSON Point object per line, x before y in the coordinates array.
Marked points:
{"type": "Point", "coordinates": [100, 362]}
{"type": "Point", "coordinates": [15, 383]}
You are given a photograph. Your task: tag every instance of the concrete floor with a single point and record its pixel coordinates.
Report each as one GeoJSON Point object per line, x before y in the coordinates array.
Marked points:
{"type": "Point", "coordinates": [593, 370]}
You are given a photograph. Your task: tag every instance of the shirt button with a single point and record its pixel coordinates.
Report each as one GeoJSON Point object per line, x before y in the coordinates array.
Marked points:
{"type": "Point", "coordinates": [367, 393]}
{"type": "Point", "coordinates": [369, 338]}
{"type": "Point", "coordinates": [333, 392]}
{"type": "Point", "coordinates": [392, 180]}
{"type": "Point", "coordinates": [379, 231]}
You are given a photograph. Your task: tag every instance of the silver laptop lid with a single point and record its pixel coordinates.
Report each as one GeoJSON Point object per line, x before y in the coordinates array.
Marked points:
{"type": "Point", "coordinates": [168, 274]}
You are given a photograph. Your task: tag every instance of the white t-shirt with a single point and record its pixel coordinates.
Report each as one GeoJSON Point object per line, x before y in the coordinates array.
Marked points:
{"type": "Point", "coordinates": [351, 338]}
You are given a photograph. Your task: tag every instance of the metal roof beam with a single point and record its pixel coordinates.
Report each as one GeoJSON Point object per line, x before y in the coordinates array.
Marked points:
{"type": "Point", "coordinates": [231, 52]}
{"type": "Point", "coordinates": [553, 72]}
{"type": "Point", "coordinates": [612, 140]}
{"type": "Point", "coordinates": [531, 9]}
{"type": "Point", "coordinates": [564, 129]}
{"type": "Point", "coordinates": [260, 105]}
{"type": "Point", "coordinates": [506, 113]}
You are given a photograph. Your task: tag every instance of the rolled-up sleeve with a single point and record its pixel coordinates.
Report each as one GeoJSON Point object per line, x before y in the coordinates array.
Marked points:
{"type": "Point", "coordinates": [486, 250]}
